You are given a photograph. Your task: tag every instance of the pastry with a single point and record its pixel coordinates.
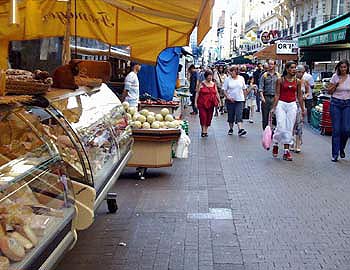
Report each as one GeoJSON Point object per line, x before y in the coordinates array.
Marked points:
{"type": "Point", "coordinates": [28, 233]}
{"type": "Point", "coordinates": [12, 249]}
{"type": "Point", "coordinates": [4, 263]}
{"type": "Point", "coordinates": [22, 240]}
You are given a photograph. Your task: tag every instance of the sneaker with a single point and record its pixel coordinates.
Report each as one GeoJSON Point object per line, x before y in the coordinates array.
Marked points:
{"type": "Point", "coordinates": [334, 158]}
{"type": "Point", "coordinates": [230, 132]}
{"type": "Point", "coordinates": [242, 132]}
{"type": "Point", "coordinates": [275, 151]}
{"type": "Point", "coordinates": [297, 150]}
{"type": "Point", "coordinates": [251, 121]}
{"type": "Point", "coordinates": [287, 156]}
{"type": "Point", "coordinates": [342, 154]}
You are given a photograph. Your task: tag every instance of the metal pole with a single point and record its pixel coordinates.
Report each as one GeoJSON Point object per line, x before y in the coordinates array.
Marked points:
{"type": "Point", "coordinates": [66, 52]}
{"type": "Point", "coordinates": [75, 30]}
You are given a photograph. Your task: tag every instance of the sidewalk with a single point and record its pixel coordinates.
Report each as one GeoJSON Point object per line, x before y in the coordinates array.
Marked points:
{"type": "Point", "coordinates": [229, 206]}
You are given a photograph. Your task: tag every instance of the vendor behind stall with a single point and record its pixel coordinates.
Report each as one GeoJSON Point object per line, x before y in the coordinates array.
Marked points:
{"type": "Point", "coordinates": [131, 91]}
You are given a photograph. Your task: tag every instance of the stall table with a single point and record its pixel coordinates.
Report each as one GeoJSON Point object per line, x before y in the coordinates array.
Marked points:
{"type": "Point", "coordinates": [152, 149]}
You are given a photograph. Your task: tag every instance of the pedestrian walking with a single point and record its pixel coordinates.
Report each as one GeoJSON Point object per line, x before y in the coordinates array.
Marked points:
{"type": "Point", "coordinates": [307, 77]}
{"type": "Point", "coordinates": [193, 78]}
{"type": "Point", "coordinates": [288, 90]}
{"type": "Point", "coordinates": [219, 78]}
{"type": "Point", "coordinates": [207, 99]}
{"type": "Point", "coordinates": [299, 123]}
{"type": "Point", "coordinates": [267, 89]}
{"type": "Point", "coordinates": [256, 75]}
{"type": "Point", "coordinates": [340, 109]}
{"type": "Point", "coordinates": [244, 74]}
{"type": "Point", "coordinates": [251, 98]}
{"type": "Point", "coordinates": [234, 87]}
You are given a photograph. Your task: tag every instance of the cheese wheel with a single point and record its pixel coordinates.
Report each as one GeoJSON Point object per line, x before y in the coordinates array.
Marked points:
{"type": "Point", "coordinates": [22, 240]}
{"type": "Point", "coordinates": [12, 249]}
{"type": "Point", "coordinates": [4, 263]}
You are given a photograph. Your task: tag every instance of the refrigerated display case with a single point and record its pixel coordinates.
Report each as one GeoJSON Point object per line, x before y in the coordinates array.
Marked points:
{"type": "Point", "coordinates": [37, 204]}
{"type": "Point", "coordinates": [96, 128]}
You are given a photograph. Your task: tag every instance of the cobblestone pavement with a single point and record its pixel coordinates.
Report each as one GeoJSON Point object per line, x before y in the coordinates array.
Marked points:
{"type": "Point", "coordinates": [229, 206]}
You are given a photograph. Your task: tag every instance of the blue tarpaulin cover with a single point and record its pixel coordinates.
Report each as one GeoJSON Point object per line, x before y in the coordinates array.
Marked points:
{"type": "Point", "coordinates": [159, 81]}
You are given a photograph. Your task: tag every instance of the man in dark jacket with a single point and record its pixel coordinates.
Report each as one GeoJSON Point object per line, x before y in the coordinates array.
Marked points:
{"type": "Point", "coordinates": [257, 75]}
{"type": "Point", "coordinates": [193, 78]}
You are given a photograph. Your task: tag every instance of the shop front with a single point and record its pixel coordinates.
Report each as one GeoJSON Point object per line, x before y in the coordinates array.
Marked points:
{"type": "Point", "coordinates": [322, 47]}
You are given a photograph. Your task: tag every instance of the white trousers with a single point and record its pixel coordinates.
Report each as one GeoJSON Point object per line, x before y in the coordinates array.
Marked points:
{"type": "Point", "coordinates": [285, 115]}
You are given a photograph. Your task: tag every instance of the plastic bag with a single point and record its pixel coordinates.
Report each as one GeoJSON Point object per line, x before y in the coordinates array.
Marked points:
{"type": "Point", "coordinates": [183, 145]}
{"type": "Point", "coordinates": [267, 138]}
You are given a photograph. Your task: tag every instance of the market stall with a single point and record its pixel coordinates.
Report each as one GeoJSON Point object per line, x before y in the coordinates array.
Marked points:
{"type": "Point", "coordinates": [155, 136]}
{"type": "Point", "coordinates": [153, 149]}
{"type": "Point", "coordinates": [62, 152]}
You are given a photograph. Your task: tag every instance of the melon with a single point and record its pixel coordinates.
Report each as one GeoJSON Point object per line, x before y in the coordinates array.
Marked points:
{"type": "Point", "coordinates": [132, 110]}
{"type": "Point", "coordinates": [144, 112]}
{"type": "Point", "coordinates": [126, 105]}
{"type": "Point", "coordinates": [155, 125]}
{"type": "Point", "coordinates": [164, 111]}
{"type": "Point", "coordinates": [135, 116]}
{"type": "Point", "coordinates": [169, 118]}
{"type": "Point", "coordinates": [171, 125]}
{"type": "Point", "coordinates": [159, 117]}
{"type": "Point", "coordinates": [146, 125]}
{"type": "Point", "coordinates": [150, 119]}
{"type": "Point", "coordinates": [142, 118]}
{"type": "Point", "coordinates": [137, 124]}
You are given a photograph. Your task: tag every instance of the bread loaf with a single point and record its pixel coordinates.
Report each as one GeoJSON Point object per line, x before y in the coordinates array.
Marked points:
{"type": "Point", "coordinates": [12, 249]}
{"type": "Point", "coordinates": [22, 240]}
{"type": "Point", "coordinates": [4, 263]}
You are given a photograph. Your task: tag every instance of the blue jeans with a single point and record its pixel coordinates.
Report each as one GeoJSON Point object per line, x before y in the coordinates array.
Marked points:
{"type": "Point", "coordinates": [340, 113]}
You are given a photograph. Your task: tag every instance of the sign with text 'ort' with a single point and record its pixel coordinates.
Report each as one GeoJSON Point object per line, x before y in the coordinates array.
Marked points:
{"type": "Point", "coordinates": [286, 47]}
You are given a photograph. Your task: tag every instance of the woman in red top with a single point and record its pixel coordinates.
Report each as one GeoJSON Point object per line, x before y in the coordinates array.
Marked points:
{"type": "Point", "coordinates": [206, 100]}
{"type": "Point", "coordinates": [288, 89]}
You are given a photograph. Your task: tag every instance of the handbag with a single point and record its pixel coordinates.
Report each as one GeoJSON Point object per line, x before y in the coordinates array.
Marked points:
{"type": "Point", "coordinates": [246, 112]}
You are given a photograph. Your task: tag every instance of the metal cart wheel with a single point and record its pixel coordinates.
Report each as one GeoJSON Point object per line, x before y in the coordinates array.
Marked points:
{"type": "Point", "coordinates": [112, 203]}
{"type": "Point", "coordinates": [141, 172]}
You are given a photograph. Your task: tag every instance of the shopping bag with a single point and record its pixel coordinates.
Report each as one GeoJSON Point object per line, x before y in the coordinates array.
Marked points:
{"type": "Point", "coordinates": [183, 145]}
{"type": "Point", "coordinates": [267, 138]}
{"type": "Point", "coordinates": [246, 112]}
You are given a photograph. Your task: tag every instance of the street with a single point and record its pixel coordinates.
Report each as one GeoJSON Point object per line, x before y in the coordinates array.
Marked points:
{"type": "Point", "coordinates": [229, 206]}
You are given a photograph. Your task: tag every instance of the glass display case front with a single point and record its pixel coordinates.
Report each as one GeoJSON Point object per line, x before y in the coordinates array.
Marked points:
{"type": "Point", "coordinates": [36, 197]}
{"type": "Point", "coordinates": [99, 120]}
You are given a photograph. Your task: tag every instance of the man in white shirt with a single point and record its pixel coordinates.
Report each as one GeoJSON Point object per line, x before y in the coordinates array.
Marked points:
{"type": "Point", "coordinates": [309, 98]}
{"type": "Point", "coordinates": [131, 91]}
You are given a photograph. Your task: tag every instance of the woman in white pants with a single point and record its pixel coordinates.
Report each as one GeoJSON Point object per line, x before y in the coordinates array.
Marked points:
{"type": "Point", "coordinates": [288, 89]}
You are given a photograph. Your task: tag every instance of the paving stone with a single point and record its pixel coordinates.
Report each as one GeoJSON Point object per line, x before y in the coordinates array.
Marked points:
{"type": "Point", "coordinates": [282, 215]}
